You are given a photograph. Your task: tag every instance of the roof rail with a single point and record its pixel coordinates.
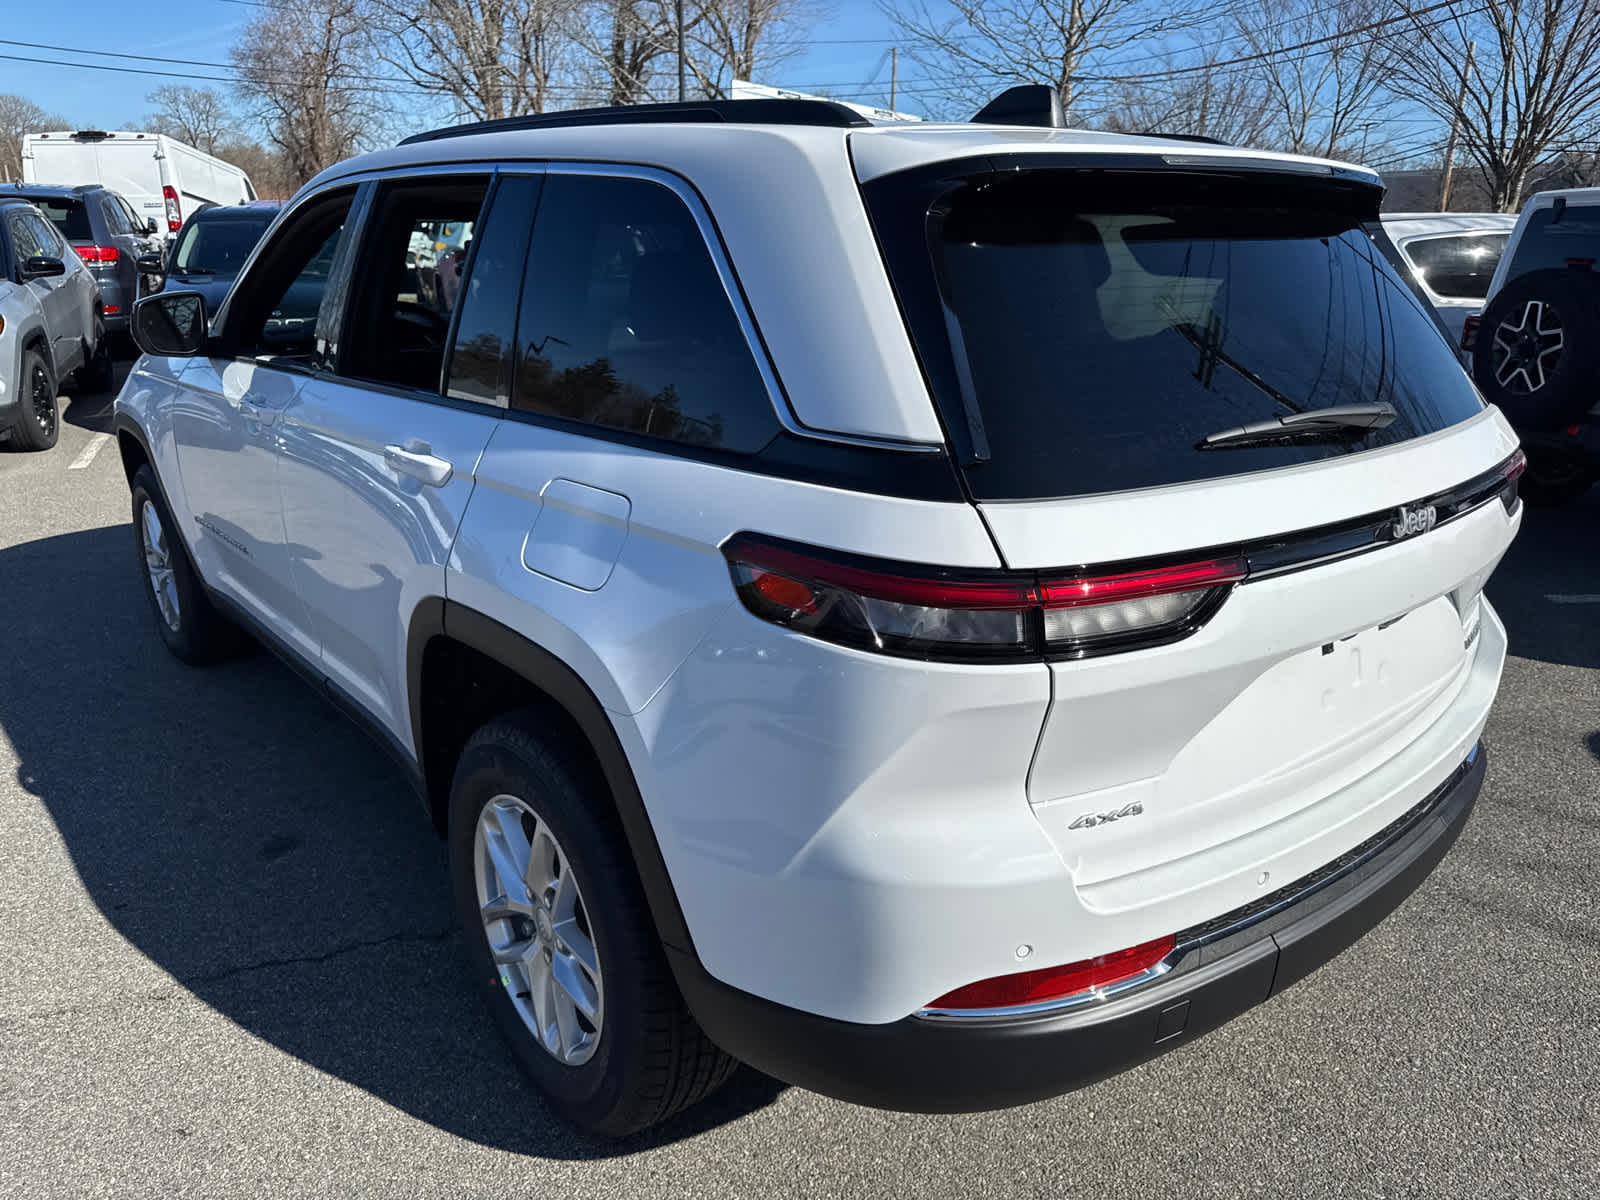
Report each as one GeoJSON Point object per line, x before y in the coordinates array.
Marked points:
{"type": "Point", "coordinates": [754, 112]}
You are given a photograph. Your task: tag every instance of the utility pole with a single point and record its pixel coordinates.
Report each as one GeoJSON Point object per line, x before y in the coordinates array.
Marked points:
{"type": "Point", "coordinates": [1455, 128]}
{"type": "Point", "coordinates": [894, 73]}
{"type": "Point", "coordinates": [678, 7]}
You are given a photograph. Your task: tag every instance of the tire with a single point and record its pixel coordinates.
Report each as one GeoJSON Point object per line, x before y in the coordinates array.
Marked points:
{"type": "Point", "coordinates": [39, 421]}
{"type": "Point", "coordinates": [1537, 353]}
{"type": "Point", "coordinates": [96, 375]}
{"type": "Point", "coordinates": [188, 622]}
{"type": "Point", "coordinates": [640, 1058]}
{"type": "Point", "coordinates": [1552, 479]}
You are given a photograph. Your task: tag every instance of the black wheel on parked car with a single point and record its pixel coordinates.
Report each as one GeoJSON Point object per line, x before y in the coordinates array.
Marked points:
{"type": "Point", "coordinates": [1537, 354]}
{"type": "Point", "coordinates": [39, 421]}
{"type": "Point", "coordinates": [188, 622]}
{"type": "Point", "coordinates": [561, 939]}
{"type": "Point", "coordinates": [96, 375]}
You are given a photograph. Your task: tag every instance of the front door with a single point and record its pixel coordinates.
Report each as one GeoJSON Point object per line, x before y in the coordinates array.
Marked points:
{"type": "Point", "coordinates": [379, 458]}
{"type": "Point", "coordinates": [58, 296]}
{"type": "Point", "coordinates": [227, 425]}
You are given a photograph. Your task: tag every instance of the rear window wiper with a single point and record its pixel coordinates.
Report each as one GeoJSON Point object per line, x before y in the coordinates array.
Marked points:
{"type": "Point", "coordinates": [1352, 421]}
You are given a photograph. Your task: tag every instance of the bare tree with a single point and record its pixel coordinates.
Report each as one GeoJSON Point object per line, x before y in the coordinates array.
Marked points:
{"type": "Point", "coordinates": [493, 58]}
{"type": "Point", "coordinates": [20, 116]}
{"type": "Point", "coordinates": [303, 66]}
{"type": "Point", "coordinates": [1232, 106]}
{"type": "Point", "coordinates": [1533, 83]}
{"type": "Point", "coordinates": [1322, 65]}
{"type": "Point", "coordinates": [984, 46]}
{"type": "Point", "coordinates": [266, 168]}
{"type": "Point", "coordinates": [196, 116]}
{"type": "Point", "coordinates": [737, 39]}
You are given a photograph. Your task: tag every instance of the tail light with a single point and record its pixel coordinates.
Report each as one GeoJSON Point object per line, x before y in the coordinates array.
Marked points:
{"type": "Point", "coordinates": [101, 255]}
{"type": "Point", "coordinates": [1469, 332]}
{"type": "Point", "coordinates": [974, 616]}
{"type": "Point", "coordinates": [174, 213]}
{"type": "Point", "coordinates": [1058, 983]}
{"type": "Point", "coordinates": [1512, 469]}
{"type": "Point", "coordinates": [112, 310]}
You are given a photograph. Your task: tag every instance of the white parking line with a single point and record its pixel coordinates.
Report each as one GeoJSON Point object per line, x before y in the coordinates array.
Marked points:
{"type": "Point", "coordinates": [86, 455]}
{"type": "Point", "coordinates": [1573, 597]}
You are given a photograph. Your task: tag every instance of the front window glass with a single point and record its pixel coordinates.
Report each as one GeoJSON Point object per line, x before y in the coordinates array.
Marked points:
{"type": "Point", "coordinates": [1458, 267]}
{"type": "Point", "coordinates": [1101, 327]}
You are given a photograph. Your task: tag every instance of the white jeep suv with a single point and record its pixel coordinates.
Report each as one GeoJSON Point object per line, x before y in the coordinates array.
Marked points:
{"type": "Point", "coordinates": [939, 613]}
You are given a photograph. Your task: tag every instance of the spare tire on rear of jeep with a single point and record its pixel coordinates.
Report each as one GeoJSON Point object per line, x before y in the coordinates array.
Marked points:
{"type": "Point", "coordinates": [1537, 354]}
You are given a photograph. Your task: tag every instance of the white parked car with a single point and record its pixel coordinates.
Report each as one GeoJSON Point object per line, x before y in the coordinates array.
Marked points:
{"type": "Point", "coordinates": [1453, 256]}
{"type": "Point", "coordinates": [165, 180]}
{"type": "Point", "coordinates": [940, 613]}
{"type": "Point", "coordinates": [51, 326]}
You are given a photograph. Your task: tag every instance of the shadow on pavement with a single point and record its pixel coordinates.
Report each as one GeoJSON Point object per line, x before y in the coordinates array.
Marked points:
{"type": "Point", "coordinates": [1547, 590]}
{"type": "Point", "coordinates": [255, 846]}
{"type": "Point", "coordinates": [92, 410]}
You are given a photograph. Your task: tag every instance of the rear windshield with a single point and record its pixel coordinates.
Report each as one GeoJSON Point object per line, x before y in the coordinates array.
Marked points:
{"type": "Point", "coordinates": [1571, 239]}
{"type": "Point", "coordinates": [218, 247]}
{"type": "Point", "coordinates": [1088, 330]}
{"type": "Point", "coordinates": [69, 217]}
{"type": "Point", "coordinates": [1457, 266]}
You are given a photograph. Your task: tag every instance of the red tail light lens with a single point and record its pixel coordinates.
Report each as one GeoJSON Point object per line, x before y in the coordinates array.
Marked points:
{"type": "Point", "coordinates": [98, 254]}
{"type": "Point", "coordinates": [1469, 332]}
{"type": "Point", "coordinates": [924, 612]}
{"type": "Point", "coordinates": [1057, 983]}
{"type": "Point", "coordinates": [112, 310]}
{"type": "Point", "coordinates": [174, 212]}
{"type": "Point", "coordinates": [1512, 469]}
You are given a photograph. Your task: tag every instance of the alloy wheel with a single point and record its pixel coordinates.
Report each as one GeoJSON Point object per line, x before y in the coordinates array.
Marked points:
{"type": "Point", "coordinates": [43, 400]}
{"type": "Point", "coordinates": [1524, 353]}
{"type": "Point", "coordinates": [538, 929]}
{"type": "Point", "coordinates": [158, 564]}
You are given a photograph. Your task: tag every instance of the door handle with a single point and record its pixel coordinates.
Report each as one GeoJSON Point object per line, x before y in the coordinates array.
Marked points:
{"type": "Point", "coordinates": [417, 459]}
{"type": "Point", "coordinates": [261, 416]}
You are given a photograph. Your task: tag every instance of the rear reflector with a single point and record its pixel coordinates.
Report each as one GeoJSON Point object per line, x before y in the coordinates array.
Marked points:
{"type": "Point", "coordinates": [174, 213]}
{"type": "Point", "coordinates": [1469, 332]}
{"type": "Point", "coordinates": [98, 254]}
{"type": "Point", "coordinates": [1057, 983]}
{"type": "Point", "coordinates": [927, 612]}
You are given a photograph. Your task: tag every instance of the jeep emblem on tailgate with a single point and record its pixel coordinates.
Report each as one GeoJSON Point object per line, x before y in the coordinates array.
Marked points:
{"type": "Point", "coordinates": [1090, 820]}
{"type": "Point", "coordinates": [1414, 520]}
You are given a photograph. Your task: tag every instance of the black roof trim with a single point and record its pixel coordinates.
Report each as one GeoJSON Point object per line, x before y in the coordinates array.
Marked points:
{"type": "Point", "coordinates": [708, 112]}
{"type": "Point", "coordinates": [1183, 137]}
{"type": "Point", "coordinates": [52, 191]}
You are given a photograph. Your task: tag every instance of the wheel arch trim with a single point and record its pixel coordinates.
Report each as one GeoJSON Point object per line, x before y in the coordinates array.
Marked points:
{"type": "Point", "coordinates": [436, 617]}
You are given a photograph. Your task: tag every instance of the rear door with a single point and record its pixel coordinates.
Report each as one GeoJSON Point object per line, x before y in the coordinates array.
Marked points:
{"type": "Point", "coordinates": [379, 457]}
{"type": "Point", "coordinates": [1240, 628]}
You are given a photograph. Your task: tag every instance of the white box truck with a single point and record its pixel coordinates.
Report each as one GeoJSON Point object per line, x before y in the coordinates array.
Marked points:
{"type": "Point", "coordinates": [164, 179]}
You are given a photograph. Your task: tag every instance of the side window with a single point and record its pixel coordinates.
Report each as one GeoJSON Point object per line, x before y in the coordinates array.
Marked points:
{"type": "Point", "coordinates": [45, 236]}
{"type": "Point", "coordinates": [481, 354]}
{"type": "Point", "coordinates": [625, 322]}
{"type": "Point", "coordinates": [273, 310]}
{"type": "Point", "coordinates": [24, 239]}
{"type": "Point", "coordinates": [116, 220]}
{"type": "Point", "coordinates": [413, 261]}
{"type": "Point", "coordinates": [136, 223]}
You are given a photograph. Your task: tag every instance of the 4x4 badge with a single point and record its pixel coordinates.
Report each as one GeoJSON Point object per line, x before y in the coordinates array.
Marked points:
{"type": "Point", "coordinates": [1412, 521]}
{"type": "Point", "coordinates": [1090, 820]}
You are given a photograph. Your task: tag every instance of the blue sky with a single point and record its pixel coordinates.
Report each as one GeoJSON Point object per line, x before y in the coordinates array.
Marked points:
{"type": "Point", "coordinates": [849, 47]}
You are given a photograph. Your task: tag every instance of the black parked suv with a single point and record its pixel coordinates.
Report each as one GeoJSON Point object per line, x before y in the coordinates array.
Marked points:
{"type": "Point", "coordinates": [105, 230]}
{"type": "Point", "coordinates": [210, 250]}
{"type": "Point", "coordinates": [1536, 349]}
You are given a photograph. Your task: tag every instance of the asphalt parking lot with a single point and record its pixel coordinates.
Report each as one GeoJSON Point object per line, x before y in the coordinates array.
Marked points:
{"type": "Point", "coordinates": [227, 965]}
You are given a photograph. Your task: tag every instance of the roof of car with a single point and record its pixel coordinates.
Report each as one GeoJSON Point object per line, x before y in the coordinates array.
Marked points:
{"type": "Point", "coordinates": [1420, 224]}
{"type": "Point", "coordinates": [238, 212]}
{"type": "Point", "coordinates": [1541, 199]}
{"type": "Point", "coordinates": [49, 191]}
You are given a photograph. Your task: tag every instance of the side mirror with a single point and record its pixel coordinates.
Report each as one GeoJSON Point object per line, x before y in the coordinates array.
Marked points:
{"type": "Point", "coordinates": [150, 264]}
{"type": "Point", "coordinates": [42, 267]}
{"type": "Point", "coordinates": [150, 227]}
{"type": "Point", "coordinates": [171, 324]}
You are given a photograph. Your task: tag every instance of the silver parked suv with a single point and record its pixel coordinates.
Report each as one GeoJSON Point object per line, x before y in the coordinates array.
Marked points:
{"type": "Point", "coordinates": [939, 613]}
{"type": "Point", "coordinates": [50, 326]}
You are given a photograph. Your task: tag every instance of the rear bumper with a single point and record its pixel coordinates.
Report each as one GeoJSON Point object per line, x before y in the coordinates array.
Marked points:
{"type": "Point", "coordinates": [1221, 969]}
